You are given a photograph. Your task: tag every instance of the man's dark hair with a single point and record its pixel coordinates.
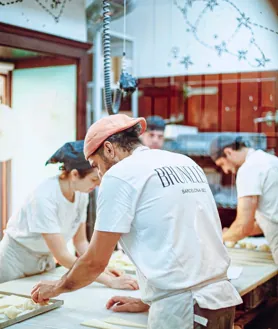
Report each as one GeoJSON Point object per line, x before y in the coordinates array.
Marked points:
{"type": "Point", "coordinates": [221, 142]}
{"type": "Point", "coordinates": [126, 139]}
{"type": "Point", "coordinates": [155, 122]}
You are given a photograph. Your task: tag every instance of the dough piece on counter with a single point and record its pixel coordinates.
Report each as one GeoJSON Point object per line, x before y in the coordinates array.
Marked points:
{"type": "Point", "coordinates": [230, 244]}
{"type": "Point", "coordinates": [12, 312]}
{"type": "Point", "coordinates": [122, 322]}
{"type": "Point", "coordinates": [29, 305]}
{"type": "Point", "coordinates": [264, 247]}
{"type": "Point", "coordinates": [242, 244]}
{"type": "Point", "coordinates": [12, 300]}
{"type": "Point", "coordinates": [98, 324]}
{"type": "Point", "coordinates": [250, 245]}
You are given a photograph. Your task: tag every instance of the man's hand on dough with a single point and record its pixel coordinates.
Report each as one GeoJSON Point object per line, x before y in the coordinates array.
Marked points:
{"type": "Point", "coordinates": [126, 304]}
{"type": "Point", "coordinates": [44, 290]}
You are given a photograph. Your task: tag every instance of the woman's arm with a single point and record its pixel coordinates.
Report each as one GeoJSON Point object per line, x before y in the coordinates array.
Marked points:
{"type": "Point", "coordinates": [58, 247]}
{"type": "Point", "coordinates": [80, 241]}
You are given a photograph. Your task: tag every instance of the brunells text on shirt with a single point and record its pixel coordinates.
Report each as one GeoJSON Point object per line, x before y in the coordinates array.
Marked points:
{"type": "Point", "coordinates": [171, 175]}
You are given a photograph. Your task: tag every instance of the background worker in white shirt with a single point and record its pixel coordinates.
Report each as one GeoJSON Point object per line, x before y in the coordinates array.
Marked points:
{"type": "Point", "coordinates": [159, 205]}
{"type": "Point", "coordinates": [257, 189]}
{"type": "Point", "coordinates": [153, 137]}
{"type": "Point", "coordinates": [54, 213]}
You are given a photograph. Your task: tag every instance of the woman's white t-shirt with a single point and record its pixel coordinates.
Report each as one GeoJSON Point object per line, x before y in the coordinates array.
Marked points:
{"type": "Point", "coordinates": [46, 210]}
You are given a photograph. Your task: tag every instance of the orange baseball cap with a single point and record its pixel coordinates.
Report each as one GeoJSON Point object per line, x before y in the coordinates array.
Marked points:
{"type": "Point", "coordinates": [106, 127]}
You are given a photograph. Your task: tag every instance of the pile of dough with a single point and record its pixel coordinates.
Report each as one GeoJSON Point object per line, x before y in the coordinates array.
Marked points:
{"type": "Point", "coordinates": [242, 244]}
{"type": "Point", "coordinates": [29, 305]}
{"type": "Point", "coordinates": [121, 261]}
{"type": "Point", "coordinates": [13, 305]}
{"type": "Point", "coordinates": [121, 322]}
{"type": "Point", "coordinates": [264, 247]}
{"type": "Point", "coordinates": [230, 244]}
{"type": "Point", "coordinates": [12, 300]}
{"type": "Point", "coordinates": [250, 245]}
{"type": "Point", "coordinates": [12, 312]}
{"type": "Point", "coordinates": [98, 324]}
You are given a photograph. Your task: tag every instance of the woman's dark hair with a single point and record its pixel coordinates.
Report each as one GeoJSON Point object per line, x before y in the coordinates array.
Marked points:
{"type": "Point", "coordinates": [126, 139]}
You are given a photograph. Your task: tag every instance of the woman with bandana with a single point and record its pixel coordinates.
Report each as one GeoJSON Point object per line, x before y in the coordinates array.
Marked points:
{"type": "Point", "coordinates": [52, 215]}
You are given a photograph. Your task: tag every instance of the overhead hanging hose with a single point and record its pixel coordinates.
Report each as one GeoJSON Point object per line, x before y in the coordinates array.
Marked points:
{"type": "Point", "coordinates": [128, 84]}
{"type": "Point", "coordinates": [111, 108]}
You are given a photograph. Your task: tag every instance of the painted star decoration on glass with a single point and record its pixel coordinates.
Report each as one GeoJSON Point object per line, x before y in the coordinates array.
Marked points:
{"type": "Point", "coordinates": [242, 54]}
{"type": "Point", "coordinates": [250, 50]}
{"type": "Point", "coordinates": [243, 20]}
{"type": "Point", "coordinates": [186, 62]}
{"type": "Point", "coordinates": [212, 4]}
{"type": "Point", "coordinates": [189, 3]}
{"type": "Point", "coordinates": [262, 61]}
{"type": "Point", "coordinates": [222, 48]}
{"type": "Point", "coordinates": [55, 3]}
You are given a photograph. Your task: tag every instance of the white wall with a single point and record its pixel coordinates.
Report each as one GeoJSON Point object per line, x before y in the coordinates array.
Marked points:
{"type": "Point", "coordinates": [158, 26]}
{"type": "Point", "coordinates": [68, 20]}
{"type": "Point", "coordinates": [44, 100]}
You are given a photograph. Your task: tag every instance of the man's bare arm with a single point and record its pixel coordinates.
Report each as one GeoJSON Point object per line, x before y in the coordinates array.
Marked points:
{"type": "Point", "coordinates": [92, 263]}
{"type": "Point", "coordinates": [244, 224]}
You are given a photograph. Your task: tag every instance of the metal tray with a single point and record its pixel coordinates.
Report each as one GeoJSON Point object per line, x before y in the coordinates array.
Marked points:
{"type": "Point", "coordinates": [55, 304]}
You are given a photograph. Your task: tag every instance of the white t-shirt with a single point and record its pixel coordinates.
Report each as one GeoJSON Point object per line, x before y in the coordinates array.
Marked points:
{"type": "Point", "coordinates": [46, 210]}
{"type": "Point", "coordinates": [259, 176]}
{"type": "Point", "coordinates": [162, 203]}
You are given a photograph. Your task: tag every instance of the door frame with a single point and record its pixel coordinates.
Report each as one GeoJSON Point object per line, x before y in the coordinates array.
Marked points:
{"type": "Point", "coordinates": [61, 51]}
{"type": "Point", "coordinates": [67, 50]}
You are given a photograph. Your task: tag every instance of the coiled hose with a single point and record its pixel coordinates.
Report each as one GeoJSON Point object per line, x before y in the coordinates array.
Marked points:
{"type": "Point", "coordinates": [112, 108]}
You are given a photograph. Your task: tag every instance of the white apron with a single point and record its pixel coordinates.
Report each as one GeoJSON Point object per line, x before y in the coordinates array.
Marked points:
{"type": "Point", "coordinates": [176, 310]}
{"type": "Point", "coordinates": [17, 261]}
{"type": "Point", "coordinates": [270, 229]}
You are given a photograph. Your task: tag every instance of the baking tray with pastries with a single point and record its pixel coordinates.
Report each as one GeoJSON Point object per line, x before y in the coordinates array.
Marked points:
{"type": "Point", "coordinates": [15, 308]}
{"type": "Point", "coordinates": [250, 249]}
{"type": "Point", "coordinates": [250, 243]}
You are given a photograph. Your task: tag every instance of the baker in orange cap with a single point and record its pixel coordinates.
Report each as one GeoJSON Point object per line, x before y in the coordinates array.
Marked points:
{"type": "Point", "coordinates": [159, 205]}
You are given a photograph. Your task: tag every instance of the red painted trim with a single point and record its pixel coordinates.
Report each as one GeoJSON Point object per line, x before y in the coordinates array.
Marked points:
{"type": "Point", "coordinates": [169, 96]}
{"type": "Point", "coordinates": [259, 125]}
{"type": "Point", "coordinates": [153, 99]}
{"type": "Point", "coordinates": [43, 62]}
{"type": "Point", "coordinates": [238, 102]}
{"type": "Point", "coordinates": [203, 101]}
{"type": "Point", "coordinates": [82, 79]}
{"type": "Point", "coordinates": [220, 98]}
